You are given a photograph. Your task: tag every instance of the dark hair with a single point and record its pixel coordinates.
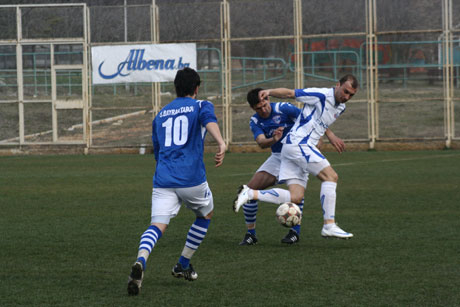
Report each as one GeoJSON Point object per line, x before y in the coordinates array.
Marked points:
{"type": "Point", "coordinates": [186, 81]}
{"type": "Point", "coordinates": [253, 97]}
{"type": "Point", "coordinates": [351, 78]}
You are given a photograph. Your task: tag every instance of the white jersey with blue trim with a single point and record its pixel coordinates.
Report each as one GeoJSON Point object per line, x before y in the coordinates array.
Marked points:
{"type": "Point", "coordinates": [283, 114]}
{"type": "Point", "coordinates": [178, 133]}
{"type": "Point", "coordinates": [318, 113]}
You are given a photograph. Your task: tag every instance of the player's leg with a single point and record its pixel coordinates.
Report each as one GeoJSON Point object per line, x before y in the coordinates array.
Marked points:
{"type": "Point", "coordinates": [199, 200]}
{"type": "Point", "coordinates": [250, 213]}
{"type": "Point", "coordinates": [297, 190]}
{"type": "Point", "coordinates": [274, 196]}
{"type": "Point", "coordinates": [165, 205]}
{"type": "Point", "coordinates": [148, 240]}
{"type": "Point", "coordinates": [261, 180]}
{"type": "Point", "coordinates": [296, 228]}
{"type": "Point", "coordinates": [293, 236]}
{"type": "Point", "coordinates": [266, 176]}
{"type": "Point", "coordinates": [328, 197]}
{"type": "Point", "coordinates": [329, 180]}
{"type": "Point", "coordinates": [293, 172]}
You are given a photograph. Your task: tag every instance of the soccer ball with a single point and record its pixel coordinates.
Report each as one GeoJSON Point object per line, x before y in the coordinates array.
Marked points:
{"type": "Point", "coordinates": [288, 214]}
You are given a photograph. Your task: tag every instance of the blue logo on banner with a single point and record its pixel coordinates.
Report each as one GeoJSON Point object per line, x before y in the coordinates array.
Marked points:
{"type": "Point", "coordinates": [135, 61]}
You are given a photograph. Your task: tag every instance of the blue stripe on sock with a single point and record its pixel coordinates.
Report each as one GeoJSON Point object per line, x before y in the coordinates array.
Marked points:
{"type": "Point", "coordinates": [202, 222]}
{"type": "Point", "coordinates": [250, 211]}
{"type": "Point", "coordinates": [156, 230]}
{"type": "Point", "coordinates": [296, 228]}
{"type": "Point", "coordinates": [196, 238]}
{"type": "Point", "coordinates": [322, 203]}
{"type": "Point", "coordinates": [148, 236]}
{"type": "Point", "coordinates": [203, 233]}
{"type": "Point", "coordinates": [199, 238]}
{"type": "Point", "coordinates": [195, 241]}
{"type": "Point", "coordinates": [155, 236]}
{"type": "Point", "coordinates": [142, 260]}
{"type": "Point", "coordinates": [149, 244]}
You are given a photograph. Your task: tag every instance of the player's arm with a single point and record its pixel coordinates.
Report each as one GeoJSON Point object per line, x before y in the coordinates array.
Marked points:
{"type": "Point", "coordinates": [156, 144]}
{"type": "Point", "coordinates": [337, 142]}
{"type": "Point", "coordinates": [277, 92]}
{"type": "Point", "coordinates": [265, 142]}
{"type": "Point", "coordinates": [214, 130]}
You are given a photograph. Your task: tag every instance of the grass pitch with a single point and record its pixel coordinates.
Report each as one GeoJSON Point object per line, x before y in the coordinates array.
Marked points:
{"type": "Point", "coordinates": [70, 227]}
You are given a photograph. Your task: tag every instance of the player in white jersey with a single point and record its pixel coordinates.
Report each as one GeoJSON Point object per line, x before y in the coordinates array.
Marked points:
{"type": "Point", "coordinates": [178, 133]}
{"type": "Point", "coordinates": [300, 155]}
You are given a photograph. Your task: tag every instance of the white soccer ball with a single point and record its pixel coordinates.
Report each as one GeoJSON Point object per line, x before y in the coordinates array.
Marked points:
{"type": "Point", "coordinates": [288, 214]}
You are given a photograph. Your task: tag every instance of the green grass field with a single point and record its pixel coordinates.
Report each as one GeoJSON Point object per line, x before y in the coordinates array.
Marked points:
{"type": "Point", "coordinates": [70, 227]}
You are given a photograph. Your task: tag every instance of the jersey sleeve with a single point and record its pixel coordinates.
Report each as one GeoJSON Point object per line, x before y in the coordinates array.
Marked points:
{"type": "Point", "coordinates": [290, 110]}
{"type": "Point", "coordinates": [156, 145]}
{"type": "Point", "coordinates": [207, 114]}
{"type": "Point", "coordinates": [309, 96]}
{"type": "Point", "coordinates": [256, 130]}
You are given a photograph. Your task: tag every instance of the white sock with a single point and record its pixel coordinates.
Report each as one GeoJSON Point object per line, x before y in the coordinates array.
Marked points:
{"type": "Point", "coordinates": [274, 196]}
{"type": "Point", "coordinates": [328, 197]}
{"type": "Point", "coordinates": [328, 226]}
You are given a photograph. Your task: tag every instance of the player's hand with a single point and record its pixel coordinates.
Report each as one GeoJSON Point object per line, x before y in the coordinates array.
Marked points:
{"type": "Point", "coordinates": [219, 157]}
{"type": "Point", "coordinates": [278, 134]}
{"type": "Point", "coordinates": [263, 94]}
{"type": "Point", "coordinates": [338, 144]}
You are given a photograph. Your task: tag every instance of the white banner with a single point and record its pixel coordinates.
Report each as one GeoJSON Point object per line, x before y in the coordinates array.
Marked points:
{"type": "Point", "coordinates": [141, 63]}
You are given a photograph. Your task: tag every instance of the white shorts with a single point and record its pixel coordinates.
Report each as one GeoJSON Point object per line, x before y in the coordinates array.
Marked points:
{"type": "Point", "coordinates": [297, 161]}
{"type": "Point", "coordinates": [166, 202]}
{"type": "Point", "coordinates": [272, 165]}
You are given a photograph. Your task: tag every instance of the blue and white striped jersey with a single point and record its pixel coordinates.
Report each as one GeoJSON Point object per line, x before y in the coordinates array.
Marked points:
{"type": "Point", "coordinates": [178, 133]}
{"type": "Point", "coordinates": [318, 113]}
{"type": "Point", "coordinates": [283, 114]}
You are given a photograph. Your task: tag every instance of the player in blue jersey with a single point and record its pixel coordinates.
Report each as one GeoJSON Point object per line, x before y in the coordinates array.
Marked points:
{"type": "Point", "coordinates": [300, 155]}
{"type": "Point", "coordinates": [178, 133]}
{"type": "Point", "coordinates": [269, 125]}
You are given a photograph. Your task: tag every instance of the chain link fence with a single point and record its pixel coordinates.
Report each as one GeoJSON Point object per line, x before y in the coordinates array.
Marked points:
{"type": "Point", "coordinates": [406, 55]}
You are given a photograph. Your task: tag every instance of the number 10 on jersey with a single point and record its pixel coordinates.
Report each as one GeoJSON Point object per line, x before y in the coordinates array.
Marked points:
{"type": "Point", "coordinates": [176, 130]}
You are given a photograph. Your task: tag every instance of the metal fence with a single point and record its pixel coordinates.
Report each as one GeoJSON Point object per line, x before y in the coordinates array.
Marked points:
{"type": "Point", "coordinates": [405, 53]}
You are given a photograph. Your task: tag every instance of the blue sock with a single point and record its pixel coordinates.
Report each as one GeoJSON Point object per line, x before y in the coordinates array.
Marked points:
{"type": "Point", "coordinates": [195, 236]}
{"type": "Point", "coordinates": [250, 211]}
{"type": "Point", "coordinates": [148, 240]}
{"type": "Point", "coordinates": [184, 262]}
{"type": "Point", "coordinates": [296, 228]}
{"type": "Point", "coordinates": [252, 231]}
{"type": "Point", "coordinates": [142, 260]}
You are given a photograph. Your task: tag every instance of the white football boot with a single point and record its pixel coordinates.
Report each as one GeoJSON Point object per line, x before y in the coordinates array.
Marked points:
{"type": "Point", "coordinates": [241, 198]}
{"type": "Point", "coordinates": [335, 231]}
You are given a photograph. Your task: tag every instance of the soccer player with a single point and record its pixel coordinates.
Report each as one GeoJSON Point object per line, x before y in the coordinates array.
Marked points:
{"type": "Point", "coordinates": [300, 155]}
{"type": "Point", "coordinates": [269, 125]}
{"type": "Point", "coordinates": [178, 133]}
